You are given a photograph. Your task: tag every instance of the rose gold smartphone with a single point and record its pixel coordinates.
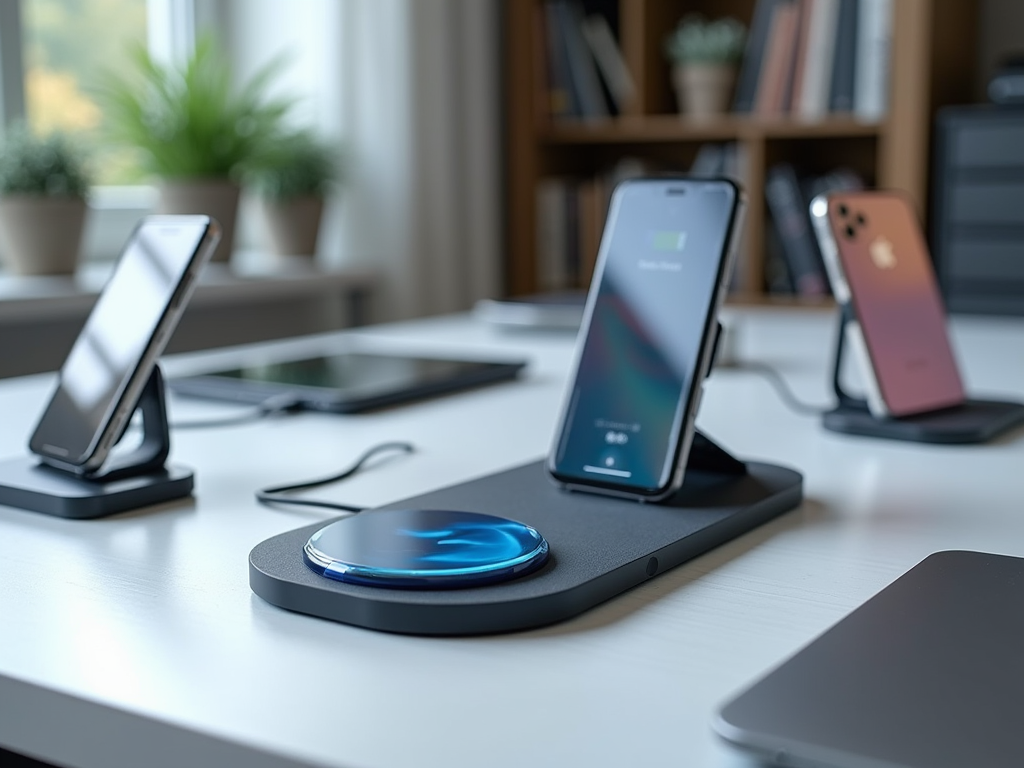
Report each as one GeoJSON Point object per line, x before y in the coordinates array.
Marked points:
{"type": "Point", "coordinates": [878, 262]}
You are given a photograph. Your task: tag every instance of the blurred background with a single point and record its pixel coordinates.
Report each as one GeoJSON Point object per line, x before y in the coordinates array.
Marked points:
{"type": "Point", "coordinates": [460, 150]}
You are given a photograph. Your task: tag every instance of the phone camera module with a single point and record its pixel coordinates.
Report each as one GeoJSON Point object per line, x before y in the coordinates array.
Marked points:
{"type": "Point", "coordinates": [850, 232]}
{"type": "Point", "coordinates": [843, 210]}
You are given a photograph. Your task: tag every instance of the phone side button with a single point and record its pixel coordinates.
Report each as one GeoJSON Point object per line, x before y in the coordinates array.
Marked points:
{"type": "Point", "coordinates": [179, 294]}
{"type": "Point", "coordinates": [698, 401]}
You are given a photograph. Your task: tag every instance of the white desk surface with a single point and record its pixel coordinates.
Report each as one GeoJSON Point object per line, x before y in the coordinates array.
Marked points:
{"type": "Point", "coordinates": [135, 640]}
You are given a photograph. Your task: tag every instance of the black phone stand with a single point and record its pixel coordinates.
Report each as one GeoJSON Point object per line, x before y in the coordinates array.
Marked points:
{"type": "Point", "coordinates": [975, 421]}
{"type": "Point", "coordinates": [136, 479]}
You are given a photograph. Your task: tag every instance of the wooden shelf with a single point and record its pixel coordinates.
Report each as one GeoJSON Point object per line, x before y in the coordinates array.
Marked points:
{"type": "Point", "coordinates": [932, 64]}
{"type": "Point", "coordinates": [675, 128]}
{"type": "Point", "coordinates": [778, 300]}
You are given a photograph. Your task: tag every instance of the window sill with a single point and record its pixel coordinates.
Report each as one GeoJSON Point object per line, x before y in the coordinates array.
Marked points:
{"type": "Point", "coordinates": [256, 298]}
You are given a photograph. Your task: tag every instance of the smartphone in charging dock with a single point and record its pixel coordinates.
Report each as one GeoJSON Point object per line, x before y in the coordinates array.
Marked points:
{"type": "Point", "coordinates": [112, 359]}
{"type": "Point", "coordinates": [877, 262]}
{"type": "Point", "coordinates": [646, 342]}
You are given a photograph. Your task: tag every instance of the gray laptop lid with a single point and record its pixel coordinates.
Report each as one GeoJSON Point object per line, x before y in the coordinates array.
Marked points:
{"type": "Point", "coordinates": [928, 673]}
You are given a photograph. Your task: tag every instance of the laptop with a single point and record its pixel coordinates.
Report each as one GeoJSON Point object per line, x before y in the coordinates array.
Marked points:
{"type": "Point", "coordinates": [929, 673]}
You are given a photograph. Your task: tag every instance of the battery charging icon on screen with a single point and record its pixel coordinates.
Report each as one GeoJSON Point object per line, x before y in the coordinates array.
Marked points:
{"type": "Point", "coordinates": [665, 240]}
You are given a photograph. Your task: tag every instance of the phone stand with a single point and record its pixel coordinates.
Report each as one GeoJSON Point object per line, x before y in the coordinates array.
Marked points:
{"type": "Point", "coordinates": [975, 421]}
{"type": "Point", "coordinates": [600, 546]}
{"type": "Point", "coordinates": [129, 481]}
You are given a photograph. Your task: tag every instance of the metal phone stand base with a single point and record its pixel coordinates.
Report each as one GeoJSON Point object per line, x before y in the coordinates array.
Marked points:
{"type": "Point", "coordinates": [975, 421]}
{"type": "Point", "coordinates": [137, 479]}
{"type": "Point", "coordinates": [600, 547]}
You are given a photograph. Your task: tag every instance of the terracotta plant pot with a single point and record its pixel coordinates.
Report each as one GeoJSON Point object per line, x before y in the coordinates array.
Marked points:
{"type": "Point", "coordinates": [703, 90]}
{"type": "Point", "coordinates": [41, 235]}
{"type": "Point", "coordinates": [214, 197]}
{"type": "Point", "coordinates": [293, 225]}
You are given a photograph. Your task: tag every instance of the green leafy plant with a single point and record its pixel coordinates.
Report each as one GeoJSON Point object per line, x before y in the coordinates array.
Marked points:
{"type": "Point", "coordinates": [295, 165]}
{"type": "Point", "coordinates": [698, 40]}
{"type": "Point", "coordinates": [44, 166]}
{"type": "Point", "coordinates": [189, 121]}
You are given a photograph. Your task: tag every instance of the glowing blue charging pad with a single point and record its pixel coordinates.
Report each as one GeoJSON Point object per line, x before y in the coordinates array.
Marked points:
{"type": "Point", "coordinates": [424, 548]}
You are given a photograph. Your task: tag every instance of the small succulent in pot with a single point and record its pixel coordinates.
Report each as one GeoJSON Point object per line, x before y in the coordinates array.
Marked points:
{"type": "Point", "coordinates": [293, 178]}
{"type": "Point", "coordinates": [705, 55]}
{"type": "Point", "coordinates": [44, 181]}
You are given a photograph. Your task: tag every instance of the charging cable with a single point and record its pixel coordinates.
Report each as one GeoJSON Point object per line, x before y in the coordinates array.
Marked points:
{"type": "Point", "coordinates": [272, 406]}
{"type": "Point", "coordinates": [782, 389]}
{"type": "Point", "coordinates": [280, 494]}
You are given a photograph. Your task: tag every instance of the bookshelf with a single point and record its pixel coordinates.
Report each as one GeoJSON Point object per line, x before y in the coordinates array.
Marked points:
{"type": "Point", "coordinates": [932, 63]}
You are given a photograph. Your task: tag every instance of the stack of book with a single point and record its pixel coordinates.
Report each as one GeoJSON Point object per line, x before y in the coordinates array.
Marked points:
{"type": "Point", "coordinates": [584, 74]}
{"type": "Point", "coordinates": [793, 261]}
{"type": "Point", "coordinates": [813, 58]}
{"type": "Point", "coordinates": [571, 211]}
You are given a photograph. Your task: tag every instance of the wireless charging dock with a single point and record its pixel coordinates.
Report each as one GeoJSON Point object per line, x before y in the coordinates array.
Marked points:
{"type": "Point", "coordinates": [975, 421]}
{"type": "Point", "coordinates": [599, 547]}
{"type": "Point", "coordinates": [136, 479]}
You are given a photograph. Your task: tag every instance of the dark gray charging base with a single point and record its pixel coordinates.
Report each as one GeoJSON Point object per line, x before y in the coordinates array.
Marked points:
{"type": "Point", "coordinates": [976, 421]}
{"type": "Point", "coordinates": [600, 547]}
{"type": "Point", "coordinates": [27, 484]}
{"type": "Point", "coordinates": [130, 480]}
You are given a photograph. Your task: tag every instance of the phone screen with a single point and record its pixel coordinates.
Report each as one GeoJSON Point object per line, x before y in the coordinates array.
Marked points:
{"type": "Point", "coordinates": [648, 321]}
{"type": "Point", "coordinates": [116, 336]}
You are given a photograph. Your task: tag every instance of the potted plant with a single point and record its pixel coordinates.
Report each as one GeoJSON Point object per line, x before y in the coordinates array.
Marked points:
{"type": "Point", "coordinates": [195, 131]}
{"type": "Point", "coordinates": [43, 186]}
{"type": "Point", "coordinates": [705, 55]}
{"type": "Point", "coordinates": [292, 178]}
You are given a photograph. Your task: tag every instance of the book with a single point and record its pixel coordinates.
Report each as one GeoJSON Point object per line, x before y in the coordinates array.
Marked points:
{"type": "Point", "coordinates": [552, 234]}
{"type": "Point", "coordinates": [710, 161]}
{"type": "Point", "coordinates": [610, 63]}
{"type": "Point", "coordinates": [559, 310]}
{"type": "Point", "coordinates": [844, 65]}
{"type": "Point", "coordinates": [812, 100]}
{"type": "Point", "coordinates": [799, 247]}
{"type": "Point", "coordinates": [801, 53]}
{"type": "Point", "coordinates": [777, 71]}
{"type": "Point", "coordinates": [563, 97]}
{"type": "Point", "coordinates": [753, 56]}
{"type": "Point", "coordinates": [775, 270]}
{"type": "Point", "coordinates": [874, 44]}
{"type": "Point", "coordinates": [592, 213]}
{"type": "Point", "coordinates": [582, 69]}
{"type": "Point", "coordinates": [836, 180]}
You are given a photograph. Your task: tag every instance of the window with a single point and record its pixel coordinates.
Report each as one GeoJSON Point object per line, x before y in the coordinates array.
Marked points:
{"type": "Point", "coordinates": [68, 47]}
{"type": "Point", "coordinates": [53, 55]}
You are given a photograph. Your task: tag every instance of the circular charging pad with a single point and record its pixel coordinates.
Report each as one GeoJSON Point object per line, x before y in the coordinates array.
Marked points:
{"type": "Point", "coordinates": [424, 548]}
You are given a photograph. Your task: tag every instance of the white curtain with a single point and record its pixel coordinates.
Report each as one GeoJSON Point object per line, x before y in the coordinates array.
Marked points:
{"type": "Point", "coordinates": [412, 90]}
{"type": "Point", "coordinates": [419, 113]}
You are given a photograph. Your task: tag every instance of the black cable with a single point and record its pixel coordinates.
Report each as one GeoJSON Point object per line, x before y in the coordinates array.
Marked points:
{"type": "Point", "coordinates": [277, 494]}
{"type": "Point", "coordinates": [286, 403]}
{"type": "Point", "coordinates": [782, 389]}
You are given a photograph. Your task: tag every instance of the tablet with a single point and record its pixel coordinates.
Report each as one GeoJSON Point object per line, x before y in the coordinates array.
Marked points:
{"type": "Point", "coordinates": [929, 673]}
{"type": "Point", "coordinates": [348, 382]}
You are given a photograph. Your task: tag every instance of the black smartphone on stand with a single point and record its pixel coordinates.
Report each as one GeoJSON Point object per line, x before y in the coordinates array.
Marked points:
{"type": "Point", "coordinates": [647, 337]}
{"type": "Point", "coordinates": [113, 357]}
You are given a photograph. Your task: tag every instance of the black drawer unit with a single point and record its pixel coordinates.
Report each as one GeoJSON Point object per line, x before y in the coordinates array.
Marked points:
{"type": "Point", "coordinates": [978, 209]}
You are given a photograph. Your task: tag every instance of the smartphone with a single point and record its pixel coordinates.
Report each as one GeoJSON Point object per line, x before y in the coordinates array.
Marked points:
{"type": "Point", "coordinates": [113, 357]}
{"type": "Point", "coordinates": [877, 261]}
{"type": "Point", "coordinates": [647, 336]}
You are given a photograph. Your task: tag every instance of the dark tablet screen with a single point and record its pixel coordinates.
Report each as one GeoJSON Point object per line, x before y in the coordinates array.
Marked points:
{"type": "Point", "coordinates": [348, 382]}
